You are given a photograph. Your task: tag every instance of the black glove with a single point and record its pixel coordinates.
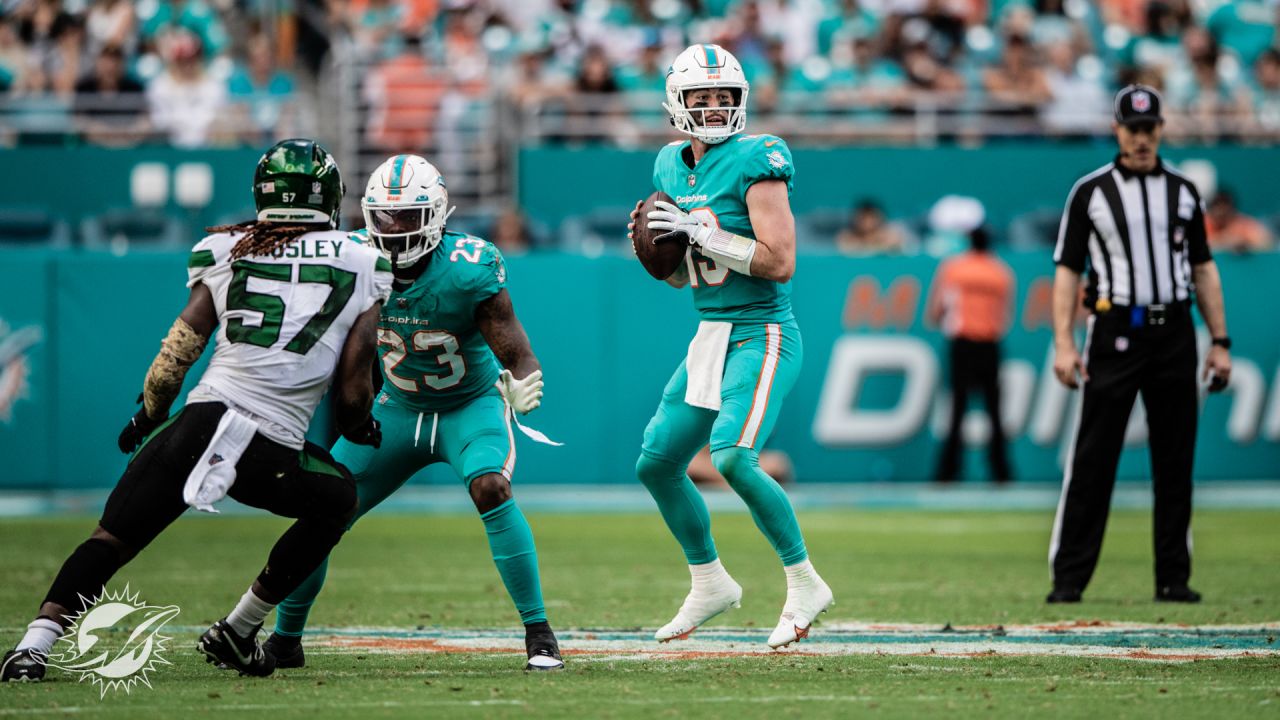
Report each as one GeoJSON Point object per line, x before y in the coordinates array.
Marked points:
{"type": "Point", "coordinates": [368, 432]}
{"type": "Point", "coordinates": [140, 426]}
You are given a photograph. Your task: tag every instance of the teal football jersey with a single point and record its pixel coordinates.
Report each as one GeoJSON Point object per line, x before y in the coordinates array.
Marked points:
{"type": "Point", "coordinates": [716, 191]}
{"type": "Point", "coordinates": [434, 358]}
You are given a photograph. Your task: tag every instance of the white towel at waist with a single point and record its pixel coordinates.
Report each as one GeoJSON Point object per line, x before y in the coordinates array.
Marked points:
{"type": "Point", "coordinates": [215, 471]}
{"type": "Point", "coordinates": [705, 364]}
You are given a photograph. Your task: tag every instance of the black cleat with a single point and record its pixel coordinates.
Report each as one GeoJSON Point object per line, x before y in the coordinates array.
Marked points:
{"type": "Point", "coordinates": [540, 643]}
{"type": "Point", "coordinates": [287, 650]}
{"type": "Point", "coordinates": [1063, 595]}
{"type": "Point", "coordinates": [22, 666]}
{"type": "Point", "coordinates": [1177, 593]}
{"type": "Point", "coordinates": [221, 644]}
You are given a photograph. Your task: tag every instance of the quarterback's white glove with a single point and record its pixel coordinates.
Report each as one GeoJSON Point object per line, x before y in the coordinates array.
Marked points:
{"type": "Point", "coordinates": [677, 222]}
{"type": "Point", "coordinates": [523, 395]}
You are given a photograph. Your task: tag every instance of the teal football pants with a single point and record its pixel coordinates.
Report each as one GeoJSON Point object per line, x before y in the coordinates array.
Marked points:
{"type": "Point", "coordinates": [475, 440]}
{"type": "Point", "coordinates": [761, 367]}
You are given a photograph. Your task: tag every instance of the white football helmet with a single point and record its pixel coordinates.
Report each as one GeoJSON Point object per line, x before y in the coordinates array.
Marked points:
{"type": "Point", "coordinates": [405, 206]}
{"type": "Point", "coordinates": [706, 66]}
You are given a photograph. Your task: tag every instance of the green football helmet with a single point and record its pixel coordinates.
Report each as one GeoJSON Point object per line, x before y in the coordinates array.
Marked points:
{"type": "Point", "coordinates": [297, 181]}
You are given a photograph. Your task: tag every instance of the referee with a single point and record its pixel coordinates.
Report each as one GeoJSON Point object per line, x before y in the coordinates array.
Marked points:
{"type": "Point", "coordinates": [1139, 227]}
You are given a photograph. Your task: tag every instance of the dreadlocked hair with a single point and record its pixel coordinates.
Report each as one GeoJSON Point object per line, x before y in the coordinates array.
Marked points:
{"type": "Point", "coordinates": [261, 238]}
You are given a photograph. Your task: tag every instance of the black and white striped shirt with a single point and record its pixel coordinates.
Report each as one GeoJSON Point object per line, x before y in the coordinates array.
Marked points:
{"type": "Point", "coordinates": [1140, 233]}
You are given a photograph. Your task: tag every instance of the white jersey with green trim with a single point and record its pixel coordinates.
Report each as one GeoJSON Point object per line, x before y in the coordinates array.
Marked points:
{"type": "Point", "coordinates": [283, 319]}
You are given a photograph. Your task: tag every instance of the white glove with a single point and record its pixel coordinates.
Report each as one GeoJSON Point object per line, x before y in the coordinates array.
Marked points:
{"type": "Point", "coordinates": [523, 395]}
{"type": "Point", "coordinates": [678, 222]}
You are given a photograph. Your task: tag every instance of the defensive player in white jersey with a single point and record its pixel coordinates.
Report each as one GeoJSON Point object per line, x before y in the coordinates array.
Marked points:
{"type": "Point", "coordinates": [292, 302]}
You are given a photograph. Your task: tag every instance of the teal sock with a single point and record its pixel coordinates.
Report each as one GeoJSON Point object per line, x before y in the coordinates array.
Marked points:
{"type": "Point", "coordinates": [770, 507]}
{"type": "Point", "coordinates": [291, 613]}
{"type": "Point", "coordinates": [681, 505]}
{"type": "Point", "coordinates": [511, 542]}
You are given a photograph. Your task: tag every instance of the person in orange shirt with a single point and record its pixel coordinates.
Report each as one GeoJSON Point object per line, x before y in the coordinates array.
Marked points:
{"type": "Point", "coordinates": [971, 300]}
{"type": "Point", "coordinates": [1229, 229]}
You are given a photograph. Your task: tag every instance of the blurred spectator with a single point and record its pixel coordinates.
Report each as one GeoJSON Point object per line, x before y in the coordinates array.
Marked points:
{"type": "Point", "coordinates": [1017, 83]}
{"type": "Point", "coordinates": [404, 95]}
{"type": "Point", "coordinates": [745, 37]}
{"type": "Point", "coordinates": [13, 54]}
{"type": "Point", "coordinates": [511, 233]}
{"type": "Point", "coordinates": [185, 100]}
{"type": "Point", "coordinates": [925, 73]}
{"type": "Point", "coordinates": [1231, 230]}
{"type": "Point", "coordinates": [1214, 100]}
{"type": "Point", "coordinates": [935, 25]}
{"type": "Point", "coordinates": [845, 18]}
{"type": "Point", "coordinates": [112, 23]}
{"type": "Point", "coordinates": [869, 232]}
{"type": "Point", "coordinates": [861, 80]}
{"type": "Point", "coordinates": [1246, 27]}
{"type": "Point", "coordinates": [40, 24]}
{"type": "Point", "coordinates": [111, 106]}
{"type": "Point", "coordinates": [595, 97]}
{"type": "Point", "coordinates": [261, 95]}
{"type": "Point", "coordinates": [464, 54]}
{"type": "Point", "coordinates": [1267, 94]}
{"type": "Point", "coordinates": [1079, 104]}
{"type": "Point", "coordinates": [68, 62]}
{"type": "Point", "coordinates": [1158, 47]}
{"type": "Point", "coordinates": [971, 300]}
{"type": "Point", "coordinates": [33, 110]}
{"type": "Point", "coordinates": [376, 27]}
{"type": "Point", "coordinates": [533, 83]}
{"type": "Point", "coordinates": [649, 73]}
{"type": "Point", "coordinates": [162, 18]}
{"type": "Point", "coordinates": [952, 221]}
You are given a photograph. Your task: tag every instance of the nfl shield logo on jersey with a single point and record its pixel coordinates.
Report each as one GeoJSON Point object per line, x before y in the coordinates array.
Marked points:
{"type": "Point", "coordinates": [693, 179]}
{"type": "Point", "coordinates": [1141, 101]}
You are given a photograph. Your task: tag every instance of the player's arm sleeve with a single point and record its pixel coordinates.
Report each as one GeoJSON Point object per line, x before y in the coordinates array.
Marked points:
{"type": "Point", "coordinates": [1197, 235]}
{"type": "Point", "coordinates": [203, 261]}
{"type": "Point", "coordinates": [380, 287]}
{"type": "Point", "coordinates": [1074, 230]}
{"type": "Point", "coordinates": [768, 158]}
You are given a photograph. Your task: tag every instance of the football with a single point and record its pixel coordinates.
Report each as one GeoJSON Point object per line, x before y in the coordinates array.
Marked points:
{"type": "Point", "coordinates": [660, 260]}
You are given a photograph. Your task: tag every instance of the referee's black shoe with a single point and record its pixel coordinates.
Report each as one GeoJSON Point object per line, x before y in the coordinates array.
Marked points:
{"type": "Point", "coordinates": [1177, 593]}
{"type": "Point", "coordinates": [1063, 595]}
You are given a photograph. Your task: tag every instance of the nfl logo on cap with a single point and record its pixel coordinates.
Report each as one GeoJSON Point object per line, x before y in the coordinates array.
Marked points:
{"type": "Point", "coordinates": [1141, 101]}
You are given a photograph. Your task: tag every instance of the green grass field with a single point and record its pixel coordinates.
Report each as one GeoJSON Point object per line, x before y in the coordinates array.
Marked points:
{"type": "Point", "coordinates": [623, 572]}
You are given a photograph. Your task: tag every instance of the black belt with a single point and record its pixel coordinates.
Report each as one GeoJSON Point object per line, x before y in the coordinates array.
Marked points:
{"type": "Point", "coordinates": [1146, 315]}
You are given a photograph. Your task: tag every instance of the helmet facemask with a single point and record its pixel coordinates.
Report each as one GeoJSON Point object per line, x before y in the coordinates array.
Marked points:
{"type": "Point", "coordinates": [405, 234]}
{"type": "Point", "coordinates": [692, 120]}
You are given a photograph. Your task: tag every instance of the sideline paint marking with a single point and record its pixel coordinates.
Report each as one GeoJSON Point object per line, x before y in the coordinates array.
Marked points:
{"type": "Point", "coordinates": [1078, 639]}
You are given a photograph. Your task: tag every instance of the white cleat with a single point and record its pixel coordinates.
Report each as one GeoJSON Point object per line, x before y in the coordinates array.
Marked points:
{"type": "Point", "coordinates": [702, 604]}
{"type": "Point", "coordinates": [804, 603]}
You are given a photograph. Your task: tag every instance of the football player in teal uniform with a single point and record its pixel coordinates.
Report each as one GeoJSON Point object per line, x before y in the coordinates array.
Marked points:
{"type": "Point", "coordinates": [456, 363]}
{"type": "Point", "coordinates": [732, 194]}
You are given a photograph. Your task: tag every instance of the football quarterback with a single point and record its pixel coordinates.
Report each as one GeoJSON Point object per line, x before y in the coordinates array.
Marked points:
{"type": "Point", "coordinates": [732, 208]}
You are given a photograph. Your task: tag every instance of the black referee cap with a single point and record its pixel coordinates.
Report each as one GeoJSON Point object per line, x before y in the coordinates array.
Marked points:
{"type": "Point", "coordinates": [1138, 104]}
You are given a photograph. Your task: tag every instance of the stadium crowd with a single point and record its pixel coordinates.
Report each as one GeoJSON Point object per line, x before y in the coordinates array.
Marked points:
{"type": "Point", "coordinates": [199, 72]}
